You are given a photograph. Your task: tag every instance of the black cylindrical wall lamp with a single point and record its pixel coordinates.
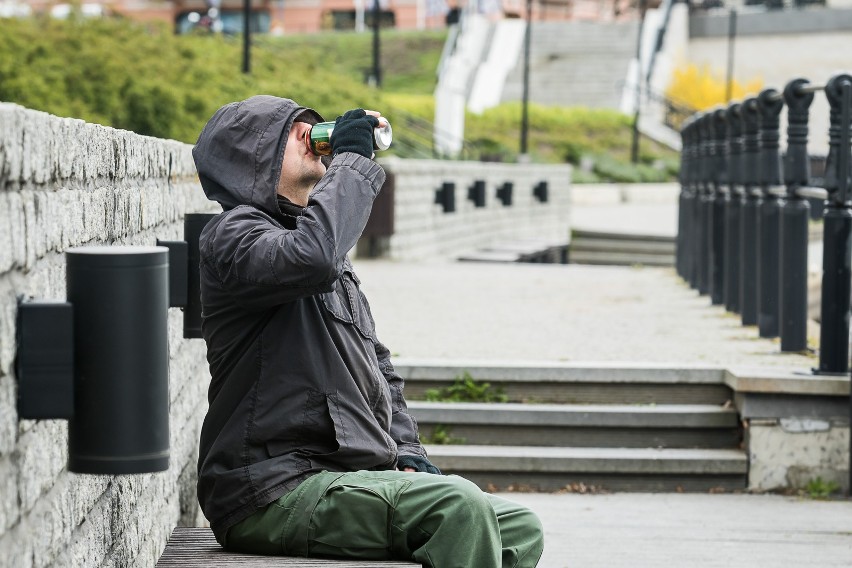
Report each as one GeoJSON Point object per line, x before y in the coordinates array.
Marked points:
{"type": "Point", "coordinates": [446, 197]}
{"type": "Point", "coordinates": [106, 367]}
{"type": "Point", "coordinates": [120, 297]}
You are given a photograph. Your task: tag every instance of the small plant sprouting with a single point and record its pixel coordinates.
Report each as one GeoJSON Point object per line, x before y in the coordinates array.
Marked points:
{"type": "Point", "coordinates": [821, 489]}
{"type": "Point", "coordinates": [467, 389]}
{"type": "Point", "coordinates": [441, 436]}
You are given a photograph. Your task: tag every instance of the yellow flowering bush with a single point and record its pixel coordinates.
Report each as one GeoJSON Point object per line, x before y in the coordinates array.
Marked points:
{"type": "Point", "coordinates": [700, 88]}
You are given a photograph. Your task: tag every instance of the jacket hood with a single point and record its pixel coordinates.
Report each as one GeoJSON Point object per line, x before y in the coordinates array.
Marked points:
{"type": "Point", "coordinates": [238, 154]}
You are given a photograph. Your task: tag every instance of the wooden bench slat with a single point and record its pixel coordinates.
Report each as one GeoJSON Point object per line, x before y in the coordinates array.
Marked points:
{"type": "Point", "coordinates": [193, 547]}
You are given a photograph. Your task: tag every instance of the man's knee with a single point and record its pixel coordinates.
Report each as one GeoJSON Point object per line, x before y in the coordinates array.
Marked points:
{"type": "Point", "coordinates": [531, 538]}
{"type": "Point", "coordinates": [466, 495]}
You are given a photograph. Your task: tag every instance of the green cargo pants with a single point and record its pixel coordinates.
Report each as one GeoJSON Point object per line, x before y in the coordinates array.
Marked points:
{"type": "Point", "coordinates": [436, 520]}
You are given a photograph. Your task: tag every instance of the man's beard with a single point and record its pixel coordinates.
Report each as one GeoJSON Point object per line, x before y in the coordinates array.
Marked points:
{"type": "Point", "coordinates": [309, 177]}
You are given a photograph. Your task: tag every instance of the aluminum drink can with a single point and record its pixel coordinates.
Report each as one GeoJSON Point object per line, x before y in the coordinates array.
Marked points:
{"type": "Point", "coordinates": [318, 138]}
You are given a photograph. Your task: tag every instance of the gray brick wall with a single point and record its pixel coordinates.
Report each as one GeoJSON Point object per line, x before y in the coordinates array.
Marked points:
{"type": "Point", "coordinates": [66, 183]}
{"type": "Point", "coordinates": [422, 229]}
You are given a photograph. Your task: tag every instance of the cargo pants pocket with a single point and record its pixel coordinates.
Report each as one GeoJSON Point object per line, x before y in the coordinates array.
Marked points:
{"type": "Point", "coordinates": [353, 517]}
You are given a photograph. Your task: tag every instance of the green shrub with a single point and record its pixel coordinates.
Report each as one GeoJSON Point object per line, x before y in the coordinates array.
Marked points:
{"type": "Point", "coordinates": [145, 79]}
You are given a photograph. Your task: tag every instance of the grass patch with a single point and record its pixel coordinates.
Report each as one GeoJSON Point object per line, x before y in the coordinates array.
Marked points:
{"type": "Point", "coordinates": [467, 389]}
{"type": "Point", "coordinates": [821, 489]}
{"type": "Point", "coordinates": [441, 436]}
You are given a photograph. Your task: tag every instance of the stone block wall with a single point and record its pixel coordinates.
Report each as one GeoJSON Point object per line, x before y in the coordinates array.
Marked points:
{"type": "Point", "coordinates": [66, 183]}
{"type": "Point", "coordinates": [423, 230]}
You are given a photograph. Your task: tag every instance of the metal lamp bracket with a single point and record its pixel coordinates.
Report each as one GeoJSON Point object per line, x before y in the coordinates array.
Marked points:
{"type": "Point", "coordinates": [184, 276]}
{"type": "Point", "coordinates": [45, 361]}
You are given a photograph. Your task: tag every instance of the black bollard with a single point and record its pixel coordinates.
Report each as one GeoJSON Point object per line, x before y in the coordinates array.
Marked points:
{"type": "Point", "coordinates": [705, 208]}
{"type": "Point", "coordinates": [693, 252]}
{"type": "Point", "coordinates": [682, 241]}
{"type": "Point", "coordinates": [794, 222]}
{"type": "Point", "coordinates": [769, 105]}
{"type": "Point", "coordinates": [733, 202]}
{"type": "Point", "coordinates": [750, 213]}
{"type": "Point", "coordinates": [837, 235]}
{"type": "Point", "coordinates": [697, 211]}
{"type": "Point", "coordinates": [719, 180]}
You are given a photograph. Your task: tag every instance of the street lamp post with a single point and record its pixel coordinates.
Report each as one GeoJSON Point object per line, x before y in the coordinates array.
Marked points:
{"type": "Point", "coordinates": [732, 34]}
{"type": "Point", "coordinates": [246, 36]}
{"type": "Point", "coordinates": [525, 122]}
{"type": "Point", "coordinates": [377, 69]}
{"type": "Point", "coordinates": [634, 146]}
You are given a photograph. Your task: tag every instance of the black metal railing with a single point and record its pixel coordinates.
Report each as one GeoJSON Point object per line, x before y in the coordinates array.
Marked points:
{"type": "Point", "coordinates": [743, 236]}
{"type": "Point", "coordinates": [743, 225]}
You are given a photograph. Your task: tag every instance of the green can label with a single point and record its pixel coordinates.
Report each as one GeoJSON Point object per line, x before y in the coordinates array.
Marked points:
{"type": "Point", "coordinates": [319, 138]}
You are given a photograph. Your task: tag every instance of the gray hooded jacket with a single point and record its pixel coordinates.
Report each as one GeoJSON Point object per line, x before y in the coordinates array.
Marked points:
{"type": "Point", "coordinates": [300, 383]}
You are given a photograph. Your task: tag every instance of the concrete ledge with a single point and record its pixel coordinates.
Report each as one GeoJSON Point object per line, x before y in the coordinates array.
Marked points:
{"type": "Point", "coordinates": [585, 416]}
{"type": "Point", "coordinates": [624, 193]}
{"type": "Point", "coordinates": [763, 22]}
{"type": "Point", "coordinates": [738, 378]}
{"type": "Point", "coordinates": [528, 371]}
{"type": "Point", "coordinates": [828, 410]}
{"type": "Point", "coordinates": [766, 380]}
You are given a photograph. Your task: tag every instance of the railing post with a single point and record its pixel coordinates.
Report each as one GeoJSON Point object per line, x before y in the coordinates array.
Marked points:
{"type": "Point", "coordinates": [750, 219]}
{"type": "Point", "coordinates": [719, 179]}
{"type": "Point", "coordinates": [837, 236]}
{"type": "Point", "coordinates": [733, 206]}
{"type": "Point", "coordinates": [769, 105]}
{"type": "Point", "coordinates": [705, 208]}
{"type": "Point", "coordinates": [794, 221]}
{"type": "Point", "coordinates": [684, 202]}
{"type": "Point", "coordinates": [694, 230]}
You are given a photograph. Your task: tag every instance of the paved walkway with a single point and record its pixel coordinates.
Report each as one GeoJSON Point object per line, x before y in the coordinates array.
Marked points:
{"type": "Point", "coordinates": [630, 530]}
{"type": "Point", "coordinates": [452, 310]}
{"type": "Point", "coordinates": [448, 310]}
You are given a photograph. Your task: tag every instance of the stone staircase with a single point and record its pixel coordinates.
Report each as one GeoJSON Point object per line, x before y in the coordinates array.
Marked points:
{"type": "Point", "coordinates": [618, 249]}
{"type": "Point", "coordinates": [575, 64]}
{"type": "Point", "coordinates": [602, 428]}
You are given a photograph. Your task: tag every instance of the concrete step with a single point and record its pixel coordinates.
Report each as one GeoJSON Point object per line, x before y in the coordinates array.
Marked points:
{"type": "Point", "coordinates": [618, 259]}
{"type": "Point", "coordinates": [521, 250]}
{"type": "Point", "coordinates": [621, 249]}
{"type": "Point", "coordinates": [612, 236]}
{"type": "Point", "coordinates": [632, 426]}
{"type": "Point", "coordinates": [489, 256]}
{"type": "Point", "coordinates": [573, 383]}
{"type": "Point", "coordinates": [623, 246]}
{"type": "Point", "coordinates": [575, 63]}
{"type": "Point", "coordinates": [607, 469]}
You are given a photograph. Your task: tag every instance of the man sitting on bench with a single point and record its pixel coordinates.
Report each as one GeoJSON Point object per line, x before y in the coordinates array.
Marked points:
{"type": "Point", "coordinates": [307, 448]}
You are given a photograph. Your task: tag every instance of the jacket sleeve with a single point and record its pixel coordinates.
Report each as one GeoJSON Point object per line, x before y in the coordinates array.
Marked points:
{"type": "Point", "coordinates": [261, 264]}
{"type": "Point", "coordinates": [403, 426]}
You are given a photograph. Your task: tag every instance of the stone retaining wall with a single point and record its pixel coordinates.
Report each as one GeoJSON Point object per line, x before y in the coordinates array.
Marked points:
{"type": "Point", "coordinates": [422, 229]}
{"type": "Point", "coordinates": [65, 183]}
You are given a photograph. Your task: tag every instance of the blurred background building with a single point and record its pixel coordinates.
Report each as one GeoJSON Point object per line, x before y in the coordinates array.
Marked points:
{"type": "Point", "coordinates": [300, 16]}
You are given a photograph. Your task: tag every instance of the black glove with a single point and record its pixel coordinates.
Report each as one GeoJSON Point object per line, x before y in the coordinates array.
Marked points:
{"type": "Point", "coordinates": [353, 132]}
{"type": "Point", "coordinates": [417, 464]}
